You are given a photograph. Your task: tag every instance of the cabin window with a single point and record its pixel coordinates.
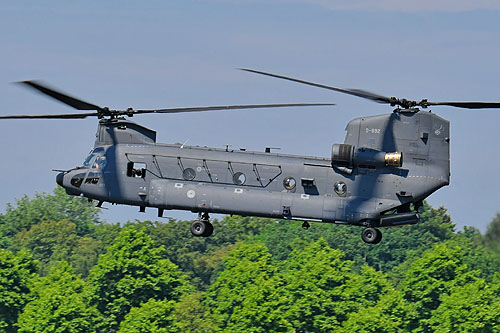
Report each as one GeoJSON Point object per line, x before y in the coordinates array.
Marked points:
{"type": "Point", "coordinates": [136, 169]}
{"type": "Point", "coordinates": [77, 180]}
{"type": "Point", "coordinates": [92, 178]}
{"type": "Point", "coordinates": [188, 174]}
{"type": "Point", "coordinates": [308, 182]}
{"type": "Point", "coordinates": [239, 178]}
{"type": "Point", "coordinates": [289, 183]}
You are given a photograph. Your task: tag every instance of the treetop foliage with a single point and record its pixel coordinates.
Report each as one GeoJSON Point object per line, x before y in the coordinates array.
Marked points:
{"type": "Point", "coordinates": [131, 272]}
{"type": "Point", "coordinates": [58, 206]}
{"type": "Point", "coordinates": [63, 270]}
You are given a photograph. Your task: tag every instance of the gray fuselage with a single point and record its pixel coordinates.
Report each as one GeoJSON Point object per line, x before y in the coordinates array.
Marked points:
{"type": "Point", "coordinates": [127, 166]}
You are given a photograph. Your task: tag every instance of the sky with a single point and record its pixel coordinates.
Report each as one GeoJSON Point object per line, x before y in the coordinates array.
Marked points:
{"type": "Point", "coordinates": [158, 54]}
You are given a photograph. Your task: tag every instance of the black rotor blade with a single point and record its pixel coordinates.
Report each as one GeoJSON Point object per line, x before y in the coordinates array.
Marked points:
{"type": "Point", "coordinates": [469, 105]}
{"type": "Point", "coordinates": [52, 116]}
{"type": "Point", "coordinates": [66, 99]}
{"type": "Point", "coordinates": [227, 107]}
{"type": "Point", "coordinates": [355, 92]}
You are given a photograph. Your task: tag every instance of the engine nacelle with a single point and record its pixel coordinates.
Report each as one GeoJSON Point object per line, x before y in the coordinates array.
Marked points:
{"type": "Point", "coordinates": [344, 155]}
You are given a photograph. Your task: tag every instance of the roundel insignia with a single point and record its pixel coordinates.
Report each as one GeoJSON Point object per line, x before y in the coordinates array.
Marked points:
{"type": "Point", "coordinates": [340, 188]}
{"type": "Point", "coordinates": [191, 194]}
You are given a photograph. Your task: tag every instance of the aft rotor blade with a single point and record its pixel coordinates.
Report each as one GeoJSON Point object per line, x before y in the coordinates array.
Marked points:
{"type": "Point", "coordinates": [228, 107]}
{"type": "Point", "coordinates": [61, 97]}
{"type": "Point", "coordinates": [52, 116]}
{"type": "Point", "coordinates": [469, 105]}
{"type": "Point", "coordinates": [355, 92]}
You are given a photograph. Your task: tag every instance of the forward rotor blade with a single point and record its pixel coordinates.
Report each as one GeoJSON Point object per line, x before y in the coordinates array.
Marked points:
{"type": "Point", "coordinates": [469, 105]}
{"type": "Point", "coordinates": [52, 116]}
{"type": "Point", "coordinates": [227, 107]}
{"type": "Point", "coordinates": [355, 92]}
{"type": "Point", "coordinates": [66, 99]}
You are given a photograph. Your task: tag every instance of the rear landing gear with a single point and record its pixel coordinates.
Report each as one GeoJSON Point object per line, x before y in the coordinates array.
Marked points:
{"type": "Point", "coordinates": [202, 227]}
{"type": "Point", "coordinates": [371, 235]}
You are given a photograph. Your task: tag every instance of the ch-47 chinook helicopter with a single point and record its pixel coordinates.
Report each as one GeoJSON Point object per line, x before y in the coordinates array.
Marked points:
{"type": "Point", "coordinates": [379, 176]}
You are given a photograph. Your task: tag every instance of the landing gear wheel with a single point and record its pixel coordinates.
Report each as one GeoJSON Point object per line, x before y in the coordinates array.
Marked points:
{"type": "Point", "coordinates": [306, 225]}
{"type": "Point", "coordinates": [209, 230]}
{"type": "Point", "coordinates": [198, 228]}
{"type": "Point", "coordinates": [371, 236]}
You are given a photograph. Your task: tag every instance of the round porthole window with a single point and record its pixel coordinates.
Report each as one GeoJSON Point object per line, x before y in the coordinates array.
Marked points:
{"type": "Point", "coordinates": [340, 188]}
{"type": "Point", "coordinates": [289, 183]}
{"type": "Point", "coordinates": [239, 178]}
{"type": "Point", "coordinates": [188, 174]}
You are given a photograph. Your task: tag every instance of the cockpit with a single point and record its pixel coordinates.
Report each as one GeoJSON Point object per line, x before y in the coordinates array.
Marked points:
{"type": "Point", "coordinates": [96, 159]}
{"type": "Point", "coordinates": [95, 163]}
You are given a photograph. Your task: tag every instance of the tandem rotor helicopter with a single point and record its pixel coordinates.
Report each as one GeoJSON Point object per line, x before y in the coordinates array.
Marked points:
{"type": "Point", "coordinates": [387, 165]}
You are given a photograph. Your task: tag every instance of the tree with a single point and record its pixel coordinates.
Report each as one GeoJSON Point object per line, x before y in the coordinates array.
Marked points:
{"type": "Point", "coordinates": [191, 315]}
{"type": "Point", "coordinates": [47, 207]}
{"type": "Point", "coordinates": [316, 287]}
{"type": "Point", "coordinates": [473, 307]}
{"type": "Point", "coordinates": [201, 258]}
{"type": "Point", "coordinates": [16, 271]}
{"type": "Point", "coordinates": [247, 297]}
{"type": "Point", "coordinates": [49, 241]}
{"type": "Point", "coordinates": [52, 241]}
{"type": "Point", "coordinates": [130, 273]}
{"type": "Point", "coordinates": [85, 255]}
{"type": "Point", "coordinates": [323, 291]}
{"type": "Point", "coordinates": [492, 236]}
{"type": "Point", "coordinates": [476, 256]}
{"type": "Point", "coordinates": [59, 304]}
{"type": "Point", "coordinates": [430, 278]}
{"type": "Point", "coordinates": [151, 317]}
{"type": "Point", "coordinates": [388, 315]}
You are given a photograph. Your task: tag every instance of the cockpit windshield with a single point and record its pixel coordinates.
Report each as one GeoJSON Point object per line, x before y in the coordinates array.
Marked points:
{"type": "Point", "coordinates": [88, 161]}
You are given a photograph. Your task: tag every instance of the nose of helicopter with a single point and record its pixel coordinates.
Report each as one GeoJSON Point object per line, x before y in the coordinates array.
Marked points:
{"type": "Point", "coordinates": [60, 178]}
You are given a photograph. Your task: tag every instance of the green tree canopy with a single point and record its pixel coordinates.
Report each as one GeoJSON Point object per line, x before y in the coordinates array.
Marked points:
{"type": "Point", "coordinates": [153, 316]}
{"type": "Point", "coordinates": [388, 315]}
{"type": "Point", "coordinates": [492, 236]}
{"type": "Point", "coordinates": [430, 277]}
{"type": "Point", "coordinates": [52, 241]}
{"type": "Point", "coordinates": [316, 284]}
{"type": "Point", "coordinates": [16, 271]}
{"type": "Point", "coordinates": [473, 307]}
{"type": "Point", "coordinates": [130, 273]}
{"type": "Point", "coordinates": [247, 297]}
{"type": "Point", "coordinates": [47, 207]}
{"type": "Point", "coordinates": [201, 258]}
{"type": "Point", "coordinates": [59, 304]}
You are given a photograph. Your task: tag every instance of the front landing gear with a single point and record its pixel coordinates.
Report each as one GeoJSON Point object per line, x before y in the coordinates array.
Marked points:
{"type": "Point", "coordinates": [202, 227]}
{"type": "Point", "coordinates": [371, 235]}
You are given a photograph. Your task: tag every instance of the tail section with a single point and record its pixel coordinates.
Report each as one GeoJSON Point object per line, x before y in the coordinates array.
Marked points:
{"type": "Point", "coordinates": [422, 138]}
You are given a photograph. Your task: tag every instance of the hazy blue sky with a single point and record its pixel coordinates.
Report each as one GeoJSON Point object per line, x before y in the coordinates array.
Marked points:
{"type": "Point", "coordinates": [149, 54]}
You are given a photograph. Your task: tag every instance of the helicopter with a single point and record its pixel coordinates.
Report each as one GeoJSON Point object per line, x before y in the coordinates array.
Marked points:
{"type": "Point", "coordinates": [379, 177]}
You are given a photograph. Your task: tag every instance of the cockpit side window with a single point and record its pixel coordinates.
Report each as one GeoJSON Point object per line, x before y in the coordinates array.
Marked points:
{"type": "Point", "coordinates": [99, 163]}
